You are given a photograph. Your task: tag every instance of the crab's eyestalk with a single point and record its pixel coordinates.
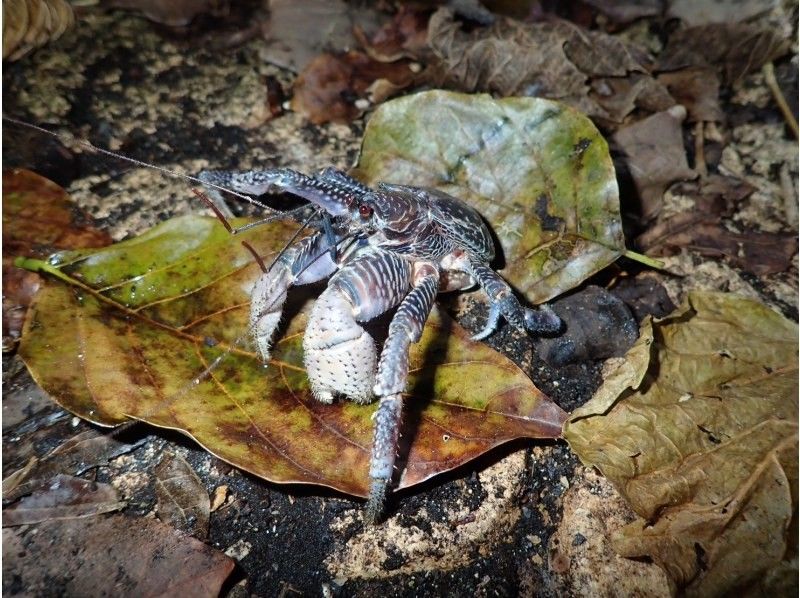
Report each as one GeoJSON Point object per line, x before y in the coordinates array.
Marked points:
{"type": "Point", "coordinates": [331, 190]}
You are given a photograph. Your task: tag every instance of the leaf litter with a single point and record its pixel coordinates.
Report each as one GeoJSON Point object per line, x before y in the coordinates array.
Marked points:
{"type": "Point", "coordinates": [182, 499]}
{"type": "Point", "coordinates": [697, 428]}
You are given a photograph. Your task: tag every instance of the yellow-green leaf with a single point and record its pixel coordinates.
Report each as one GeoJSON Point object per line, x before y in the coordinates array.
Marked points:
{"type": "Point", "coordinates": [537, 170]}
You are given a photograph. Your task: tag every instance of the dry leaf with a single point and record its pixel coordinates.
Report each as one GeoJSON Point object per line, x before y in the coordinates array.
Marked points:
{"type": "Point", "coordinates": [732, 49]}
{"type": "Point", "coordinates": [173, 13]}
{"type": "Point", "coordinates": [694, 13]}
{"type": "Point", "coordinates": [697, 90]}
{"type": "Point", "coordinates": [330, 85]}
{"type": "Point", "coordinates": [64, 497]}
{"type": "Point", "coordinates": [625, 11]}
{"type": "Point", "coordinates": [300, 30]}
{"type": "Point", "coordinates": [110, 556]}
{"type": "Point", "coordinates": [77, 455]}
{"type": "Point", "coordinates": [556, 60]}
{"type": "Point", "coordinates": [702, 233]}
{"type": "Point", "coordinates": [405, 36]}
{"type": "Point", "coordinates": [698, 430]}
{"type": "Point", "coordinates": [183, 501]}
{"type": "Point", "coordinates": [655, 156]}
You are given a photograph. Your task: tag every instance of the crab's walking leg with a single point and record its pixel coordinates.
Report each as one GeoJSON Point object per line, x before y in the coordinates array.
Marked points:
{"type": "Point", "coordinates": [339, 353]}
{"type": "Point", "coordinates": [391, 380]}
{"type": "Point", "coordinates": [503, 302]}
{"type": "Point", "coordinates": [306, 262]}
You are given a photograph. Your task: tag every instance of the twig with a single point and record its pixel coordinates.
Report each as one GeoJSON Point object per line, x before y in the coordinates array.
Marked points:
{"type": "Point", "coordinates": [789, 195]}
{"type": "Point", "coordinates": [699, 149]}
{"type": "Point", "coordinates": [772, 83]}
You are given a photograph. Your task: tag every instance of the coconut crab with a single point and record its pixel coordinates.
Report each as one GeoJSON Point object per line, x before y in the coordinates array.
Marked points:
{"type": "Point", "coordinates": [392, 246]}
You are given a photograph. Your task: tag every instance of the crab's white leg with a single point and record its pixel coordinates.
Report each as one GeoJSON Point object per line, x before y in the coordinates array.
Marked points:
{"type": "Point", "coordinates": [339, 354]}
{"type": "Point", "coordinates": [306, 262]}
{"type": "Point", "coordinates": [391, 380]}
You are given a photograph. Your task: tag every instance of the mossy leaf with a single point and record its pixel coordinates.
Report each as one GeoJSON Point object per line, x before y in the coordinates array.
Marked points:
{"type": "Point", "coordinates": [537, 170]}
{"type": "Point", "coordinates": [125, 330]}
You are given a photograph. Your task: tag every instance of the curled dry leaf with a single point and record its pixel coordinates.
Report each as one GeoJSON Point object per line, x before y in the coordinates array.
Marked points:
{"type": "Point", "coordinates": [538, 171]}
{"type": "Point", "coordinates": [556, 60]}
{"type": "Point", "coordinates": [38, 218]}
{"type": "Point", "coordinates": [183, 501]}
{"type": "Point", "coordinates": [65, 497]}
{"type": "Point", "coordinates": [697, 428]}
{"type": "Point", "coordinates": [145, 557]}
{"type": "Point", "coordinates": [138, 321]}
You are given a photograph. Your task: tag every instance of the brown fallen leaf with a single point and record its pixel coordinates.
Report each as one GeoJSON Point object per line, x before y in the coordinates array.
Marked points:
{"type": "Point", "coordinates": [732, 49]}
{"type": "Point", "coordinates": [38, 219]}
{"type": "Point", "coordinates": [183, 501]}
{"type": "Point", "coordinates": [655, 156]}
{"type": "Point", "coordinates": [173, 13]}
{"type": "Point", "coordinates": [64, 497]}
{"type": "Point", "coordinates": [625, 11]}
{"type": "Point", "coordinates": [695, 13]}
{"type": "Point", "coordinates": [696, 89]}
{"type": "Point", "coordinates": [556, 60]}
{"type": "Point", "coordinates": [299, 30]}
{"type": "Point", "coordinates": [697, 428]}
{"type": "Point", "coordinates": [405, 36]}
{"type": "Point", "coordinates": [110, 556]}
{"type": "Point", "coordinates": [77, 455]}
{"type": "Point", "coordinates": [329, 87]}
{"type": "Point", "coordinates": [753, 251]}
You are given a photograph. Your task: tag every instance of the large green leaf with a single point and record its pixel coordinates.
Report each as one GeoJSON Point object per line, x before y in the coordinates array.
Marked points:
{"type": "Point", "coordinates": [697, 428]}
{"type": "Point", "coordinates": [538, 171]}
{"type": "Point", "coordinates": [135, 323]}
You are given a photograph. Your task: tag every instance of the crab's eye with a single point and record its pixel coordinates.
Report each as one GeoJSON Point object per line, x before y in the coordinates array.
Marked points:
{"type": "Point", "coordinates": [364, 210]}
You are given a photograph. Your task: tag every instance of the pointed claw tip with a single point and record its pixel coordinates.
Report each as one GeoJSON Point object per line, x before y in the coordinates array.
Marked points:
{"type": "Point", "coordinates": [373, 513]}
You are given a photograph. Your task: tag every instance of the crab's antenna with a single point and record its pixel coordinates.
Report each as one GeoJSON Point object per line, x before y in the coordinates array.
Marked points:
{"type": "Point", "coordinates": [123, 158]}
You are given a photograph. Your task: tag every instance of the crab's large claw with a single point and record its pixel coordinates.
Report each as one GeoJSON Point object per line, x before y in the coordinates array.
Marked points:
{"type": "Point", "coordinates": [332, 190]}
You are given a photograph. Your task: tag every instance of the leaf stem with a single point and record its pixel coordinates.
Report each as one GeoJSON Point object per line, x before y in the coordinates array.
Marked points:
{"type": "Point", "coordinates": [643, 259]}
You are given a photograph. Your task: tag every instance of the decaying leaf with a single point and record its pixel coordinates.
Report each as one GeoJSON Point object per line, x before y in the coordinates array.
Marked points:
{"type": "Point", "coordinates": [299, 30]}
{"type": "Point", "coordinates": [556, 60]}
{"type": "Point", "coordinates": [330, 86]}
{"type": "Point", "coordinates": [733, 49]}
{"type": "Point", "coordinates": [38, 218]}
{"type": "Point", "coordinates": [65, 497]}
{"type": "Point", "coordinates": [703, 233]}
{"type": "Point", "coordinates": [77, 455]}
{"type": "Point", "coordinates": [697, 90]}
{"type": "Point", "coordinates": [405, 36]}
{"type": "Point", "coordinates": [697, 428]}
{"type": "Point", "coordinates": [183, 501]}
{"type": "Point", "coordinates": [174, 13]}
{"type": "Point", "coordinates": [110, 556]}
{"type": "Point", "coordinates": [694, 13]}
{"type": "Point", "coordinates": [138, 321]}
{"type": "Point", "coordinates": [538, 171]}
{"type": "Point", "coordinates": [655, 156]}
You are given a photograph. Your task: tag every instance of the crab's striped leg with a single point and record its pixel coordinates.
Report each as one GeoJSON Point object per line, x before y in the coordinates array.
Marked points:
{"type": "Point", "coordinates": [503, 302]}
{"type": "Point", "coordinates": [391, 381]}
